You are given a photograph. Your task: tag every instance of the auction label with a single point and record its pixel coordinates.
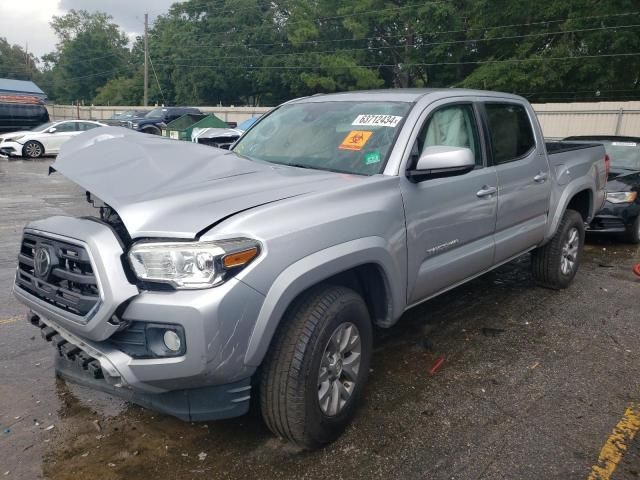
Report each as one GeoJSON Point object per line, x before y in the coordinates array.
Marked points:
{"type": "Point", "coordinates": [377, 120]}
{"type": "Point", "coordinates": [355, 140]}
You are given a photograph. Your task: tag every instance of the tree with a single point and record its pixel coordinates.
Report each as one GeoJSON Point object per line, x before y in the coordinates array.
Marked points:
{"type": "Point", "coordinates": [91, 51]}
{"type": "Point", "coordinates": [16, 63]}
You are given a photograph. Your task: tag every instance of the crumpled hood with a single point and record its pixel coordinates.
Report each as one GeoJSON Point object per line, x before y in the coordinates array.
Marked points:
{"type": "Point", "coordinates": [168, 188]}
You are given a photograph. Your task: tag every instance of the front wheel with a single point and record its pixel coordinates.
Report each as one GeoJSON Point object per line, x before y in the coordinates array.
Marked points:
{"type": "Point", "coordinates": [555, 264]}
{"type": "Point", "coordinates": [32, 149]}
{"type": "Point", "coordinates": [317, 366]}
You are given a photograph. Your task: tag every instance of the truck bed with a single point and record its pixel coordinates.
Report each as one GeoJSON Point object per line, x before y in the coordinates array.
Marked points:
{"type": "Point", "coordinates": [554, 148]}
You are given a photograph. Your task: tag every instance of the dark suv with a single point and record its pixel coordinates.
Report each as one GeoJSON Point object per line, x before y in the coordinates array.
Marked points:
{"type": "Point", "coordinates": [154, 121]}
{"type": "Point", "coordinates": [18, 116]}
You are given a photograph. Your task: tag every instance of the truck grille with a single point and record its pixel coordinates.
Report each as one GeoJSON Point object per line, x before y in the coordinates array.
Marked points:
{"type": "Point", "coordinates": [57, 272]}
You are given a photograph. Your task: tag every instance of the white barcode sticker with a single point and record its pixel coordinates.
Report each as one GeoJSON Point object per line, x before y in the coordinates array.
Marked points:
{"type": "Point", "coordinates": [624, 144]}
{"type": "Point", "coordinates": [377, 120]}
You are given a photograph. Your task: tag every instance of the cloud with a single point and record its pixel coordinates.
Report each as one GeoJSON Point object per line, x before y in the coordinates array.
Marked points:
{"type": "Point", "coordinates": [27, 21]}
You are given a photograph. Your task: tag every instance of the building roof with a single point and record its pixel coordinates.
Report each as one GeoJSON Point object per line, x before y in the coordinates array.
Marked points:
{"type": "Point", "coordinates": [9, 85]}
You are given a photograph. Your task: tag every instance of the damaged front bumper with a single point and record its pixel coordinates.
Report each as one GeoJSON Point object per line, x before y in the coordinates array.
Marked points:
{"type": "Point", "coordinates": [208, 380]}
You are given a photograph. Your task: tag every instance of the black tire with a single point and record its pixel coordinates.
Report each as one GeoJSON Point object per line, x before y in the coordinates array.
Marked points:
{"type": "Point", "coordinates": [289, 388]}
{"type": "Point", "coordinates": [546, 261]}
{"type": "Point", "coordinates": [32, 149]}
{"type": "Point", "coordinates": [633, 235]}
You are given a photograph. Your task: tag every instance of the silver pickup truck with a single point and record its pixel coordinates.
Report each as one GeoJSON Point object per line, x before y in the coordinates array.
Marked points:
{"type": "Point", "coordinates": [211, 276]}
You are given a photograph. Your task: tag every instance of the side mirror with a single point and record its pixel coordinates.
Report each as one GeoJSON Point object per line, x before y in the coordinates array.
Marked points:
{"type": "Point", "coordinates": [443, 161]}
{"type": "Point", "coordinates": [52, 130]}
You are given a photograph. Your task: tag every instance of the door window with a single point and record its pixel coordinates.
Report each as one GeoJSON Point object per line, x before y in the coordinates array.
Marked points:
{"type": "Point", "coordinates": [511, 133]}
{"type": "Point", "coordinates": [453, 126]}
{"type": "Point", "coordinates": [65, 127]}
{"type": "Point", "coordinates": [84, 126]}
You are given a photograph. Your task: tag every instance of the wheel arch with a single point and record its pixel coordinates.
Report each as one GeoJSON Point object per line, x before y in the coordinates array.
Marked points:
{"type": "Point", "coordinates": [578, 196]}
{"type": "Point", "coordinates": [151, 129]}
{"type": "Point", "coordinates": [364, 265]}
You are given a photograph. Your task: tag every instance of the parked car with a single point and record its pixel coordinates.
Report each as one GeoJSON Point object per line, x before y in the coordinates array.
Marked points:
{"type": "Point", "coordinates": [262, 270]}
{"type": "Point", "coordinates": [222, 137]}
{"type": "Point", "coordinates": [155, 120]}
{"type": "Point", "coordinates": [45, 139]}
{"type": "Point", "coordinates": [621, 213]}
{"type": "Point", "coordinates": [16, 116]}
{"type": "Point", "coordinates": [121, 119]}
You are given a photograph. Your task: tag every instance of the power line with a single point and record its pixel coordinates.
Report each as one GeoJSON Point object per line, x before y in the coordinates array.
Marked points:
{"type": "Point", "coordinates": [403, 65]}
{"type": "Point", "coordinates": [384, 37]}
{"type": "Point", "coordinates": [157, 81]}
{"type": "Point", "coordinates": [423, 45]}
{"type": "Point", "coordinates": [336, 17]}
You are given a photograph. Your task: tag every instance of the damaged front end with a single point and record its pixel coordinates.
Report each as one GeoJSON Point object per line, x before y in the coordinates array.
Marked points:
{"type": "Point", "coordinates": [167, 344]}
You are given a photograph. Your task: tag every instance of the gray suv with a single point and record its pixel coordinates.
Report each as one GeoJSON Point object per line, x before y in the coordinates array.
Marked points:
{"type": "Point", "coordinates": [211, 276]}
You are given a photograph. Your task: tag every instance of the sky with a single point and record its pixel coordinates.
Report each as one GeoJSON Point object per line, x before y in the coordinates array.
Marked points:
{"type": "Point", "coordinates": [27, 21]}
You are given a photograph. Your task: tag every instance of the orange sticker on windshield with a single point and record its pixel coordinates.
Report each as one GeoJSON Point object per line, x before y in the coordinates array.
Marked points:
{"type": "Point", "coordinates": [355, 140]}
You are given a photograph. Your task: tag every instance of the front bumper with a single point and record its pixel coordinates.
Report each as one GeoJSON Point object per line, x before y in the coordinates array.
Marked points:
{"type": "Point", "coordinates": [615, 218]}
{"type": "Point", "coordinates": [11, 149]}
{"type": "Point", "coordinates": [195, 404]}
{"type": "Point", "coordinates": [217, 324]}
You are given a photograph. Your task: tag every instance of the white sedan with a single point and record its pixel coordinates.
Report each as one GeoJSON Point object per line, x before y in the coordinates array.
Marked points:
{"type": "Point", "coordinates": [44, 139]}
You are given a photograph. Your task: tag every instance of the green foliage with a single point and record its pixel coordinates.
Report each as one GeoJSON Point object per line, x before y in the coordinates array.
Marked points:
{"type": "Point", "coordinates": [207, 52]}
{"type": "Point", "coordinates": [91, 51]}
{"type": "Point", "coordinates": [15, 62]}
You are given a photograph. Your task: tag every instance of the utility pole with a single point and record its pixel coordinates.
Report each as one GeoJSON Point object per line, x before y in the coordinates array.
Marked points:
{"type": "Point", "coordinates": [146, 60]}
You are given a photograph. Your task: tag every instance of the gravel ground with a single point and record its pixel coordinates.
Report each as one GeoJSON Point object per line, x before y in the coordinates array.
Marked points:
{"type": "Point", "coordinates": [532, 384]}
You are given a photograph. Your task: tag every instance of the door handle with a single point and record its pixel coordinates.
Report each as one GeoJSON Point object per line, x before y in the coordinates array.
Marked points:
{"type": "Point", "coordinates": [541, 177]}
{"type": "Point", "coordinates": [487, 191]}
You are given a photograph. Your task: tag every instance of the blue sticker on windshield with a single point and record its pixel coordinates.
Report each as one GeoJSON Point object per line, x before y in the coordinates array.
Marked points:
{"type": "Point", "coordinates": [372, 157]}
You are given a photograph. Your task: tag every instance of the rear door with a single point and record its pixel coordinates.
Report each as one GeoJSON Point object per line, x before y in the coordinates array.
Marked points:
{"type": "Point", "coordinates": [523, 178]}
{"type": "Point", "coordinates": [450, 221]}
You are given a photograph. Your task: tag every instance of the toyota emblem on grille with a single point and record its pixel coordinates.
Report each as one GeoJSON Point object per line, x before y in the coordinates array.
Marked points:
{"type": "Point", "coordinates": [41, 262]}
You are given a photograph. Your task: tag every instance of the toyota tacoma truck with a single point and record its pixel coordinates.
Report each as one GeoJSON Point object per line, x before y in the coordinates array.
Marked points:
{"type": "Point", "coordinates": [209, 277]}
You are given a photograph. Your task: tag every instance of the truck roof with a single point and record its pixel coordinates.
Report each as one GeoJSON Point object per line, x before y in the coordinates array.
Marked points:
{"type": "Point", "coordinates": [403, 95]}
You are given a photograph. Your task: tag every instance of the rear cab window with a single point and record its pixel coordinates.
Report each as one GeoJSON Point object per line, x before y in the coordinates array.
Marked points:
{"type": "Point", "coordinates": [510, 131]}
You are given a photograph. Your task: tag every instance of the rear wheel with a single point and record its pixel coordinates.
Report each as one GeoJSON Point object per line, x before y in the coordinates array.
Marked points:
{"type": "Point", "coordinates": [317, 366]}
{"type": "Point", "coordinates": [633, 235]}
{"type": "Point", "coordinates": [556, 264]}
{"type": "Point", "coordinates": [32, 149]}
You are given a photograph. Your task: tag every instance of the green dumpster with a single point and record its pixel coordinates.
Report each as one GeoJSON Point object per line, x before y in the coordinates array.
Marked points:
{"type": "Point", "coordinates": [182, 127]}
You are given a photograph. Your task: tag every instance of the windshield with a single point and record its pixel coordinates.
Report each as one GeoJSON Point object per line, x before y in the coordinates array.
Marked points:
{"type": "Point", "coordinates": [349, 137]}
{"type": "Point", "coordinates": [125, 114]}
{"type": "Point", "coordinates": [155, 113]}
{"type": "Point", "coordinates": [42, 128]}
{"type": "Point", "coordinates": [623, 155]}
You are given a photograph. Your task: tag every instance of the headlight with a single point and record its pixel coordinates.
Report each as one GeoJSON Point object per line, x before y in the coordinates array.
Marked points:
{"type": "Point", "coordinates": [135, 125]}
{"type": "Point", "coordinates": [14, 139]}
{"type": "Point", "coordinates": [621, 197]}
{"type": "Point", "coordinates": [191, 265]}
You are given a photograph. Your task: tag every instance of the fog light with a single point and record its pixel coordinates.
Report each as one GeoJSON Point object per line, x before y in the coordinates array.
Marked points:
{"type": "Point", "coordinates": [172, 341]}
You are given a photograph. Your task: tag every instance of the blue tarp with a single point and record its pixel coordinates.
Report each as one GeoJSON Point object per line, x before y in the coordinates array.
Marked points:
{"type": "Point", "coordinates": [9, 86]}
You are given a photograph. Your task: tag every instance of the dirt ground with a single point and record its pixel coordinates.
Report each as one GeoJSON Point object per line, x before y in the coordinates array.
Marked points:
{"type": "Point", "coordinates": [532, 385]}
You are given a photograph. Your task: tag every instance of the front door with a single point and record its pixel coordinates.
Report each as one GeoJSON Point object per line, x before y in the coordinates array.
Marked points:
{"type": "Point", "coordinates": [64, 131]}
{"type": "Point", "coordinates": [450, 221]}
